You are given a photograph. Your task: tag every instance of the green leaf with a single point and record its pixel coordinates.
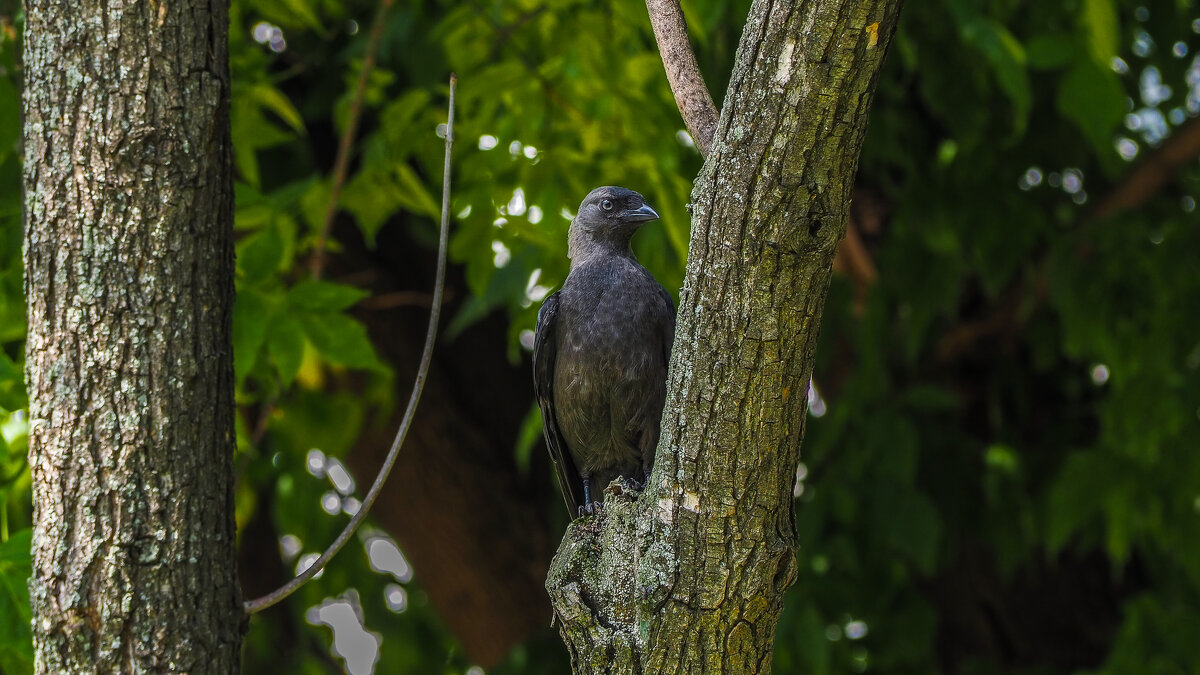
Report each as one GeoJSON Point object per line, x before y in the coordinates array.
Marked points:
{"type": "Point", "coordinates": [16, 639]}
{"type": "Point", "coordinates": [341, 340]}
{"type": "Point", "coordinates": [1050, 50]}
{"type": "Point", "coordinates": [251, 313]}
{"type": "Point", "coordinates": [413, 194]}
{"type": "Point", "coordinates": [908, 521]}
{"type": "Point", "coordinates": [1006, 56]}
{"type": "Point", "coordinates": [12, 384]}
{"type": "Point", "coordinates": [1077, 496]}
{"type": "Point", "coordinates": [10, 118]}
{"type": "Point", "coordinates": [274, 100]}
{"type": "Point", "coordinates": [260, 254]}
{"type": "Point", "coordinates": [285, 344]}
{"type": "Point", "coordinates": [324, 296]}
{"type": "Point", "coordinates": [1092, 98]}
{"type": "Point", "coordinates": [1099, 18]}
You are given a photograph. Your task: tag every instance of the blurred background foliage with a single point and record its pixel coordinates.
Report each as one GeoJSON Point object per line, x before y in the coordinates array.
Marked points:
{"type": "Point", "coordinates": [1002, 469]}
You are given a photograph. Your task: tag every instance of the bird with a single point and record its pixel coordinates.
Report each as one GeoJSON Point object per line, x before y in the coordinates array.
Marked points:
{"type": "Point", "coordinates": [600, 353]}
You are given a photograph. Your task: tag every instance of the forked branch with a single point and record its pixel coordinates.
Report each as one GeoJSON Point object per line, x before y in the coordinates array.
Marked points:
{"type": "Point", "coordinates": [687, 84]}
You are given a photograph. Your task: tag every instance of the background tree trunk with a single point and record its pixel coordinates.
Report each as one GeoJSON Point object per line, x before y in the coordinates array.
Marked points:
{"type": "Point", "coordinates": [690, 578]}
{"type": "Point", "coordinates": [129, 279]}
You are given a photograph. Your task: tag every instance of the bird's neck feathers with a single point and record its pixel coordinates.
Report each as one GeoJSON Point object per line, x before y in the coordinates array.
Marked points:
{"type": "Point", "coordinates": [583, 245]}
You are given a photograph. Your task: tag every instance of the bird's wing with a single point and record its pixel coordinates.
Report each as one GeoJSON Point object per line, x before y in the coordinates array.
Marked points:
{"type": "Point", "coordinates": [544, 355]}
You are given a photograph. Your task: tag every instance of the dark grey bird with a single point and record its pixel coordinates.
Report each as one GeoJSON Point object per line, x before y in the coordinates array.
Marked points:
{"type": "Point", "coordinates": [601, 351]}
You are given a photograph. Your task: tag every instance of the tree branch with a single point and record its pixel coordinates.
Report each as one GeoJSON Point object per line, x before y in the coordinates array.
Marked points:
{"type": "Point", "coordinates": [1139, 185]}
{"type": "Point", "coordinates": [343, 153]}
{"type": "Point", "coordinates": [687, 84]}
{"type": "Point", "coordinates": [689, 576]}
{"type": "Point", "coordinates": [1147, 178]}
{"type": "Point", "coordinates": [257, 605]}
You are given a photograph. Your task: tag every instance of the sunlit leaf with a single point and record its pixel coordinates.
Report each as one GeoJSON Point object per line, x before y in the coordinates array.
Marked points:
{"type": "Point", "coordinates": [16, 640]}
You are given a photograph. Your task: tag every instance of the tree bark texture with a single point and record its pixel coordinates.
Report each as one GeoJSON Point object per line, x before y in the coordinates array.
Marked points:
{"type": "Point", "coordinates": [129, 279]}
{"type": "Point", "coordinates": [690, 577]}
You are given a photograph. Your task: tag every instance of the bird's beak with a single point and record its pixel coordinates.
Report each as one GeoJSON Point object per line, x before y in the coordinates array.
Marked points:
{"type": "Point", "coordinates": [640, 214]}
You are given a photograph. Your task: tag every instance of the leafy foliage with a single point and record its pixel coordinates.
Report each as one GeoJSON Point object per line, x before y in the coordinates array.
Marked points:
{"type": "Point", "coordinates": [1005, 476]}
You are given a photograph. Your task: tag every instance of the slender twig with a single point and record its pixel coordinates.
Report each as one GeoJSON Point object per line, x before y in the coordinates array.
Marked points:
{"type": "Point", "coordinates": [687, 84]}
{"type": "Point", "coordinates": [435, 312]}
{"type": "Point", "coordinates": [343, 152]}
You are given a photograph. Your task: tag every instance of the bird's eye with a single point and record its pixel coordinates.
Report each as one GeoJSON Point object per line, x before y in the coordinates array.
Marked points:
{"type": "Point", "coordinates": [606, 205]}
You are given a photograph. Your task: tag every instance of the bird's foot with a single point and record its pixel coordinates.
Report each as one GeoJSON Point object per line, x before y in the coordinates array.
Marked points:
{"type": "Point", "coordinates": [589, 509]}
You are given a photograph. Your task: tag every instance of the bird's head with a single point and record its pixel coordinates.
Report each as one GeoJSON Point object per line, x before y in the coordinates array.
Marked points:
{"type": "Point", "coordinates": [607, 219]}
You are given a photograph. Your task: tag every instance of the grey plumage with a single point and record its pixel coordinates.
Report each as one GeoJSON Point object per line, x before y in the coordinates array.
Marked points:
{"type": "Point", "coordinates": [601, 351]}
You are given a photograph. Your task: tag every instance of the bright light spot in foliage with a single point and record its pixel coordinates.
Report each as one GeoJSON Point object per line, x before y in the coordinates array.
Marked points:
{"type": "Point", "coordinates": [1151, 87]}
{"type": "Point", "coordinates": [801, 474]}
{"type": "Point", "coordinates": [262, 32]}
{"type": "Point", "coordinates": [856, 630]}
{"type": "Point", "coordinates": [816, 404]}
{"type": "Point", "coordinates": [350, 506]}
{"type": "Point", "coordinates": [1179, 50]}
{"type": "Point", "coordinates": [358, 647]}
{"type": "Point", "coordinates": [1100, 374]}
{"type": "Point", "coordinates": [1030, 179]}
{"type": "Point", "coordinates": [530, 152]}
{"type": "Point", "coordinates": [1143, 44]}
{"type": "Point", "coordinates": [462, 215]}
{"type": "Point", "coordinates": [685, 139]}
{"type": "Point", "coordinates": [1127, 148]}
{"type": "Point", "coordinates": [1119, 66]}
{"type": "Point", "coordinates": [514, 148]}
{"type": "Point", "coordinates": [339, 476]}
{"type": "Point", "coordinates": [1072, 181]}
{"type": "Point", "coordinates": [315, 462]}
{"type": "Point", "coordinates": [488, 141]}
{"type": "Point", "coordinates": [503, 255]}
{"type": "Point", "coordinates": [289, 546]}
{"type": "Point", "coordinates": [352, 27]}
{"type": "Point", "coordinates": [527, 338]}
{"type": "Point", "coordinates": [475, 670]}
{"type": "Point", "coordinates": [1188, 204]}
{"type": "Point", "coordinates": [535, 214]}
{"type": "Point", "coordinates": [269, 34]}
{"type": "Point", "coordinates": [533, 291]}
{"type": "Point", "coordinates": [385, 556]}
{"type": "Point", "coordinates": [331, 503]}
{"type": "Point", "coordinates": [516, 205]}
{"type": "Point", "coordinates": [396, 597]}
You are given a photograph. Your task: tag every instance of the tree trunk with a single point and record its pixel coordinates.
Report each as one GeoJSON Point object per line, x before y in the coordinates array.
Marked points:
{"type": "Point", "coordinates": [129, 279]}
{"type": "Point", "coordinates": [690, 577]}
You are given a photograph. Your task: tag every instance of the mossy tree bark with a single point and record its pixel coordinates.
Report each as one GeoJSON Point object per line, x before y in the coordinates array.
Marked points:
{"type": "Point", "coordinates": [129, 279]}
{"type": "Point", "coordinates": [690, 577]}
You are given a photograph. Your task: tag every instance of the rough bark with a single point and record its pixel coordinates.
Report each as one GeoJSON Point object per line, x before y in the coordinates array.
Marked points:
{"type": "Point", "coordinates": [129, 279]}
{"type": "Point", "coordinates": [690, 577]}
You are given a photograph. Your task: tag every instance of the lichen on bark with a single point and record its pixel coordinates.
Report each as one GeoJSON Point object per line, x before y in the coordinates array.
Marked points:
{"type": "Point", "coordinates": [690, 576]}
